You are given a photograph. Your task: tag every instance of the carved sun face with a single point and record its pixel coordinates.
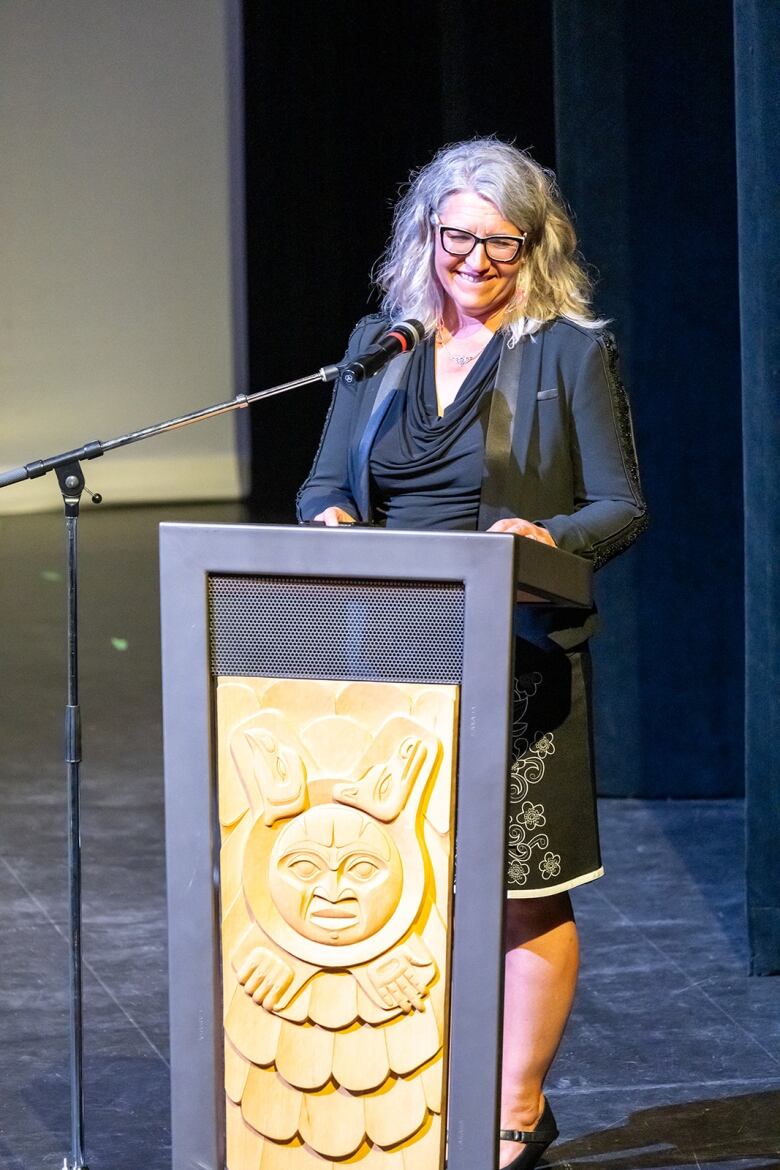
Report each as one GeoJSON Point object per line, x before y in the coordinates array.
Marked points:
{"type": "Point", "coordinates": [335, 875]}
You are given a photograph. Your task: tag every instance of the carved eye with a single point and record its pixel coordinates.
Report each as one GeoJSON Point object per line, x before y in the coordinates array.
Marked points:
{"type": "Point", "coordinates": [304, 868]}
{"type": "Point", "coordinates": [384, 786]}
{"type": "Point", "coordinates": [362, 869]}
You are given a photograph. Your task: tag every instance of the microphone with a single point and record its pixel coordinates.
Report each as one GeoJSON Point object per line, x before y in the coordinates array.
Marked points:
{"type": "Point", "coordinates": [400, 338]}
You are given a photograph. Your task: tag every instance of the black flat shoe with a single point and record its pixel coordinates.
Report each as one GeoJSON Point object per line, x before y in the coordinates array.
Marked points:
{"type": "Point", "coordinates": [535, 1141]}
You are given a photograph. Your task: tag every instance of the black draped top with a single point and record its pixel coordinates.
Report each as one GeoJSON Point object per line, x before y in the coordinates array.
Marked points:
{"type": "Point", "coordinates": [426, 471]}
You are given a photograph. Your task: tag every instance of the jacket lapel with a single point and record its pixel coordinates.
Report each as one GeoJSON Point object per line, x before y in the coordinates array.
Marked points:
{"type": "Point", "coordinates": [506, 440]}
{"type": "Point", "coordinates": [389, 383]}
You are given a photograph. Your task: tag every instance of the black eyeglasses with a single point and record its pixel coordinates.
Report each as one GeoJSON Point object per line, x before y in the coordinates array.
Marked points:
{"type": "Point", "coordinates": [458, 242]}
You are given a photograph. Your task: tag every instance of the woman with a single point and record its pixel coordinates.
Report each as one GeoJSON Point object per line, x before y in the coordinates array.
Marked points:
{"type": "Point", "coordinates": [509, 417]}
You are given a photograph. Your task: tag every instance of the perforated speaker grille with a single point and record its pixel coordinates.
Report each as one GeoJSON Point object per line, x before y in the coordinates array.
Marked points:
{"type": "Point", "coordinates": [302, 627]}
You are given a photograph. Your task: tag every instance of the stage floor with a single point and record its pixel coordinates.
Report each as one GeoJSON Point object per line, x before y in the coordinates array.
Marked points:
{"type": "Point", "coordinates": [672, 1058]}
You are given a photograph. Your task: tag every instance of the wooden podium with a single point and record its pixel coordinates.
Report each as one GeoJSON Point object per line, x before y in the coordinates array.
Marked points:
{"type": "Point", "coordinates": [337, 723]}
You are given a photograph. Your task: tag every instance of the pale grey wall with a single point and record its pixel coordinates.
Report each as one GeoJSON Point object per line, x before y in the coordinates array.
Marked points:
{"type": "Point", "coordinates": [121, 256]}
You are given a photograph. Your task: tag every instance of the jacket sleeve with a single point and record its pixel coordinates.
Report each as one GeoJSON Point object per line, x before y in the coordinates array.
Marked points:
{"type": "Point", "coordinates": [610, 510]}
{"type": "Point", "coordinates": [328, 483]}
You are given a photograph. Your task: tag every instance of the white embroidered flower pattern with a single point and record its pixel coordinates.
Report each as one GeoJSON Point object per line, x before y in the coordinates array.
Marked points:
{"type": "Point", "coordinates": [532, 815]}
{"type": "Point", "coordinates": [550, 865]}
{"type": "Point", "coordinates": [528, 767]}
{"type": "Point", "coordinates": [517, 872]}
{"type": "Point", "coordinates": [543, 745]}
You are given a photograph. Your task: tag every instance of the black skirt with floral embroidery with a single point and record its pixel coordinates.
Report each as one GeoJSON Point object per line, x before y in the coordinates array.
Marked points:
{"type": "Point", "coordinates": [552, 841]}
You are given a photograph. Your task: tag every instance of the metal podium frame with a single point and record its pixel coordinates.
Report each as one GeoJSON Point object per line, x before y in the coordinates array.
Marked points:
{"type": "Point", "coordinates": [490, 567]}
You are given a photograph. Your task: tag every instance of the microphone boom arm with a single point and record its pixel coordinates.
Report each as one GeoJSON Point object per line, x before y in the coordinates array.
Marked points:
{"type": "Point", "coordinates": [98, 447]}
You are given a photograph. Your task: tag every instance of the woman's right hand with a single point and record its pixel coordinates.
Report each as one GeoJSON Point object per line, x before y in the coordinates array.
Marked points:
{"type": "Point", "coordinates": [332, 517]}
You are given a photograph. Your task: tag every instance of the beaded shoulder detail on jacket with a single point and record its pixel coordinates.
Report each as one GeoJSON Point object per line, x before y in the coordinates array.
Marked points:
{"type": "Point", "coordinates": [625, 432]}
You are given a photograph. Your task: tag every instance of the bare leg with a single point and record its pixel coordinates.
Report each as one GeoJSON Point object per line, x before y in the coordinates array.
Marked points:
{"type": "Point", "coordinates": [542, 960]}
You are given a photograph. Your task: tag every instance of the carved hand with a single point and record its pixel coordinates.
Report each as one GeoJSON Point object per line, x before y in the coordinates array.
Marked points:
{"type": "Point", "coordinates": [265, 977]}
{"type": "Point", "coordinates": [401, 978]}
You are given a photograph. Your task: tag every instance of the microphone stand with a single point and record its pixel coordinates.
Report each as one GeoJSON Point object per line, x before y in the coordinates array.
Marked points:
{"type": "Point", "coordinates": [67, 467]}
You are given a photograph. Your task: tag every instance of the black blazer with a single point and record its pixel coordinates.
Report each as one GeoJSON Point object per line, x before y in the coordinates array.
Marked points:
{"type": "Point", "coordinates": [559, 447]}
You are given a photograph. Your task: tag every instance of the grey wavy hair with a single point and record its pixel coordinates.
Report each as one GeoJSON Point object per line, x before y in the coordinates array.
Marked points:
{"type": "Point", "coordinates": [551, 281]}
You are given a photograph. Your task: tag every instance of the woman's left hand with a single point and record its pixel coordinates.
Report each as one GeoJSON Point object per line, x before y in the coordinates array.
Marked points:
{"type": "Point", "coordinates": [523, 528]}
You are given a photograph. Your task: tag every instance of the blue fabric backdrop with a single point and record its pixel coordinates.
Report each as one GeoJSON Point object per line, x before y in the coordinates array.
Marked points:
{"type": "Point", "coordinates": [646, 157]}
{"type": "Point", "coordinates": [757, 52]}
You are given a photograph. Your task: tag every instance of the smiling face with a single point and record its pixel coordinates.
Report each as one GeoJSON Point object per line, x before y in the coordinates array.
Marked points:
{"type": "Point", "coordinates": [474, 285]}
{"type": "Point", "coordinates": [335, 876]}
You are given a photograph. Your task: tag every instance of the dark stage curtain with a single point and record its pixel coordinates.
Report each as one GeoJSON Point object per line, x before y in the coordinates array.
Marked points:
{"type": "Point", "coordinates": [757, 54]}
{"type": "Point", "coordinates": [646, 155]}
{"type": "Point", "coordinates": [342, 101]}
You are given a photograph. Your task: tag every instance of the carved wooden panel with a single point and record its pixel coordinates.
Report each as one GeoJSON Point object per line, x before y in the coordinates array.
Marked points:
{"type": "Point", "coordinates": [336, 810]}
